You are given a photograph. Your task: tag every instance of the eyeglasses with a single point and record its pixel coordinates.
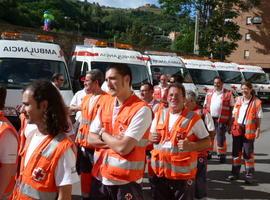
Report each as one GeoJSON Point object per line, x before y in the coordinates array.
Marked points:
{"type": "Point", "coordinates": [61, 79]}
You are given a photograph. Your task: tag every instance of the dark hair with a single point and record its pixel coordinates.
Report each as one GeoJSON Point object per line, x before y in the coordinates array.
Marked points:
{"type": "Point", "coordinates": [56, 115]}
{"type": "Point", "coordinates": [150, 86]}
{"type": "Point", "coordinates": [122, 68]}
{"type": "Point", "coordinates": [179, 86]}
{"type": "Point", "coordinates": [218, 77]}
{"type": "Point", "coordinates": [249, 85]}
{"type": "Point", "coordinates": [177, 78]}
{"type": "Point", "coordinates": [191, 95]}
{"type": "Point", "coordinates": [56, 76]}
{"type": "Point", "coordinates": [96, 75]}
{"type": "Point", "coordinates": [3, 95]}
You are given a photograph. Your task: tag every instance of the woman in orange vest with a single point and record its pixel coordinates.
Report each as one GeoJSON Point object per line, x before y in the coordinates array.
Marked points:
{"type": "Point", "coordinates": [177, 134]}
{"type": "Point", "coordinates": [47, 167]}
{"type": "Point", "coordinates": [8, 150]}
{"type": "Point", "coordinates": [247, 115]}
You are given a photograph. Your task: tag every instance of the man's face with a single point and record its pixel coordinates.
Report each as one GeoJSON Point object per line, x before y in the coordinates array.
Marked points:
{"type": "Point", "coordinates": [89, 85]}
{"type": "Point", "coordinates": [246, 91]}
{"type": "Point", "coordinates": [59, 82]}
{"type": "Point", "coordinates": [190, 103]}
{"type": "Point", "coordinates": [146, 93]}
{"type": "Point", "coordinates": [218, 84]}
{"type": "Point", "coordinates": [117, 84]}
{"type": "Point", "coordinates": [175, 98]}
{"type": "Point", "coordinates": [33, 112]}
{"type": "Point", "coordinates": [163, 80]}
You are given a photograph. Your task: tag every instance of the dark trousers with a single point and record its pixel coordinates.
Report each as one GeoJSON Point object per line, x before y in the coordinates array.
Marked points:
{"type": "Point", "coordinates": [201, 178]}
{"type": "Point", "coordinates": [130, 191]}
{"type": "Point", "coordinates": [85, 159]}
{"type": "Point", "coordinates": [221, 138]}
{"type": "Point", "coordinates": [166, 189]}
{"type": "Point", "coordinates": [245, 147]}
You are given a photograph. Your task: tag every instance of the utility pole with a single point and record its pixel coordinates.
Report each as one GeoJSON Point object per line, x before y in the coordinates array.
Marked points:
{"type": "Point", "coordinates": [196, 34]}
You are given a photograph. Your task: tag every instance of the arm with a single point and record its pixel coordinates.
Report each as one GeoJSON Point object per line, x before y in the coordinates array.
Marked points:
{"type": "Point", "coordinates": [75, 108]}
{"type": "Point", "coordinates": [64, 192]}
{"type": "Point", "coordinates": [139, 124]}
{"type": "Point", "coordinates": [258, 130]}
{"type": "Point", "coordinates": [96, 142]}
{"type": "Point", "coordinates": [6, 173]}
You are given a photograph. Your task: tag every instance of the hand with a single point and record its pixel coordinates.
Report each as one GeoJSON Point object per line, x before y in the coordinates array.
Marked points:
{"type": "Point", "coordinates": [185, 145]}
{"type": "Point", "coordinates": [258, 133]}
{"type": "Point", "coordinates": [119, 136]}
{"type": "Point", "coordinates": [154, 137]}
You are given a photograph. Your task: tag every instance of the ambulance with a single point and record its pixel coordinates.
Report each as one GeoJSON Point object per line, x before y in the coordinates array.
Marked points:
{"type": "Point", "coordinates": [25, 58]}
{"type": "Point", "coordinates": [258, 78]}
{"type": "Point", "coordinates": [159, 63]}
{"type": "Point", "coordinates": [96, 54]}
{"type": "Point", "coordinates": [203, 74]}
{"type": "Point", "coordinates": [230, 75]}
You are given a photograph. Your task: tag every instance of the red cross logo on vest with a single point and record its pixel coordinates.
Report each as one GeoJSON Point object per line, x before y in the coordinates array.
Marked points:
{"type": "Point", "coordinates": [38, 174]}
{"type": "Point", "coordinates": [128, 196]}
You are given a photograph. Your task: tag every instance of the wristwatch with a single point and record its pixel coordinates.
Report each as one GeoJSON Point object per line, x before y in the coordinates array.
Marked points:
{"type": "Point", "coordinates": [100, 135]}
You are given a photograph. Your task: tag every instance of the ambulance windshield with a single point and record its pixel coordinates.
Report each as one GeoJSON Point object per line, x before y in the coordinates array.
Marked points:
{"type": "Point", "coordinates": [230, 76]}
{"type": "Point", "coordinates": [255, 77]}
{"type": "Point", "coordinates": [139, 72]}
{"type": "Point", "coordinates": [158, 70]}
{"type": "Point", "coordinates": [15, 73]}
{"type": "Point", "coordinates": [203, 76]}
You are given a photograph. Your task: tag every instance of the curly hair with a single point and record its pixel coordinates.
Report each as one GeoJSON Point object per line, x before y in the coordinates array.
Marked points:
{"type": "Point", "coordinates": [56, 114]}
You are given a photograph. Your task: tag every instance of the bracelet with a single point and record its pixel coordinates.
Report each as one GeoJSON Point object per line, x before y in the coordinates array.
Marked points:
{"type": "Point", "coordinates": [100, 135]}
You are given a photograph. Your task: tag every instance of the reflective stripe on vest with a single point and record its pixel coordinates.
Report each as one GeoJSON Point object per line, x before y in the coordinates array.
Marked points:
{"type": "Point", "coordinates": [86, 122]}
{"type": "Point", "coordinates": [35, 194]}
{"type": "Point", "coordinates": [124, 164]}
{"type": "Point", "coordinates": [47, 152]}
{"type": "Point", "coordinates": [174, 168]}
{"type": "Point", "coordinates": [168, 148]}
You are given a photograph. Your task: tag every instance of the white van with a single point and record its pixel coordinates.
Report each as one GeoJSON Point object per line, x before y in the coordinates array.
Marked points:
{"type": "Point", "coordinates": [258, 78]}
{"type": "Point", "coordinates": [24, 58]}
{"type": "Point", "coordinates": [87, 57]}
{"type": "Point", "coordinates": [202, 73]}
{"type": "Point", "coordinates": [230, 75]}
{"type": "Point", "coordinates": [167, 63]}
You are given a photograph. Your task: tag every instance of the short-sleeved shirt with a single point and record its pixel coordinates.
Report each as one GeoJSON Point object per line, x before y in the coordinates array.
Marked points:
{"type": "Point", "coordinates": [77, 101]}
{"type": "Point", "coordinates": [8, 148]}
{"type": "Point", "coordinates": [198, 129]}
{"type": "Point", "coordinates": [65, 173]}
{"type": "Point", "coordinates": [140, 122]}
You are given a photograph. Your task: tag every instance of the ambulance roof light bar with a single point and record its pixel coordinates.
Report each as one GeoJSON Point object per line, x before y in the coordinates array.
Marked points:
{"type": "Point", "coordinates": [27, 37]}
{"type": "Point", "coordinates": [160, 53]}
{"type": "Point", "coordinates": [101, 43]}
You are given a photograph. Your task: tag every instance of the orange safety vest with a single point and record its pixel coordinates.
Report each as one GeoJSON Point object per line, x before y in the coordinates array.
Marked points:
{"type": "Point", "coordinates": [88, 116]}
{"type": "Point", "coordinates": [37, 178]}
{"type": "Point", "coordinates": [167, 160]}
{"type": "Point", "coordinates": [251, 117]}
{"type": "Point", "coordinates": [157, 93]}
{"type": "Point", "coordinates": [225, 107]}
{"type": "Point", "coordinates": [4, 126]}
{"type": "Point", "coordinates": [130, 167]}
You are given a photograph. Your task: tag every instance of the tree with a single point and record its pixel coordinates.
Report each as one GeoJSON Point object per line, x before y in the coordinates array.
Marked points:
{"type": "Point", "coordinates": [218, 32]}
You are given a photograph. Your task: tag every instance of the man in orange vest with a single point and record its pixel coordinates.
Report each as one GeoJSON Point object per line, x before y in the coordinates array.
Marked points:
{"type": "Point", "coordinates": [47, 167]}
{"type": "Point", "coordinates": [247, 115]}
{"type": "Point", "coordinates": [161, 90]}
{"type": "Point", "coordinates": [201, 176]}
{"type": "Point", "coordinates": [8, 150]}
{"type": "Point", "coordinates": [89, 106]}
{"type": "Point", "coordinates": [219, 103]}
{"type": "Point", "coordinates": [177, 134]}
{"type": "Point", "coordinates": [121, 130]}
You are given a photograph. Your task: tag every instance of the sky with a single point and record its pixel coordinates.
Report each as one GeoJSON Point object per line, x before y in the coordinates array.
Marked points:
{"type": "Point", "coordinates": [124, 3]}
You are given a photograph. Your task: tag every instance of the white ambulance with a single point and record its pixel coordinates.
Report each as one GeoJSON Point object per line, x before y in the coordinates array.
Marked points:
{"type": "Point", "coordinates": [230, 75]}
{"type": "Point", "coordinates": [159, 63]}
{"type": "Point", "coordinates": [202, 73]}
{"type": "Point", "coordinates": [97, 55]}
{"type": "Point", "coordinates": [258, 78]}
{"type": "Point", "coordinates": [25, 58]}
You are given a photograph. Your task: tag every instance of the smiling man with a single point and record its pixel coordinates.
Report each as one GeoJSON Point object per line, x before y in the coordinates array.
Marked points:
{"type": "Point", "coordinates": [121, 131]}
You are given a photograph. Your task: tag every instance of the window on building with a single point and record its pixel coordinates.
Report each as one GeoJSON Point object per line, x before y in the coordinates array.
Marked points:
{"type": "Point", "coordinates": [249, 20]}
{"type": "Point", "coordinates": [246, 54]}
{"type": "Point", "coordinates": [247, 37]}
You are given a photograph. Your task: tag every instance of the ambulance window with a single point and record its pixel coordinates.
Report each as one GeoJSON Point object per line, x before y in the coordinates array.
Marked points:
{"type": "Point", "coordinates": [203, 76]}
{"type": "Point", "coordinates": [255, 77]}
{"type": "Point", "coordinates": [78, 68]}
{"type": "Point", "coordinates": [85, 68]}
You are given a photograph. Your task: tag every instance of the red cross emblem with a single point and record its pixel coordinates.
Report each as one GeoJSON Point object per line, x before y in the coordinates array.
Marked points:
{"type": "Point", "coordinates": [38, 174]}
{"type": "Point", "coordinates": [128, 196]}
{"type": "Point", "coordinates": [205, 89]}
{"type": "Point", "coordinates": [234, 87]}
{"type": "Point", "coordinates": [121, 129]}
